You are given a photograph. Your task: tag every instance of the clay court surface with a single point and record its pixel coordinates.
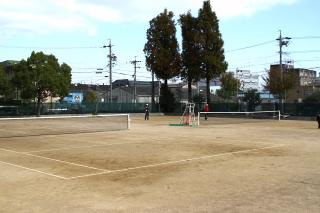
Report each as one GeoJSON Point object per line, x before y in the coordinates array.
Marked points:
{"type": "Point", "coordinates": [265, 166]}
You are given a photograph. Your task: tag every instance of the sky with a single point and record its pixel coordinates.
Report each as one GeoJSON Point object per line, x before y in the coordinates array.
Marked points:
{"type": "Point", "coordinates": [76, 30]}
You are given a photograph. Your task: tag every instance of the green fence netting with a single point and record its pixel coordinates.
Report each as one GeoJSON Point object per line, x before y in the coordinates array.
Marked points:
{"type": "Point", "coordinates": [28, 109]}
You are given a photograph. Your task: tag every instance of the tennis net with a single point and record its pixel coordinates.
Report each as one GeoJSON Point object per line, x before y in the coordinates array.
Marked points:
{"type": "Point", "coordinates": [237, 117]}
{"type": "Point", "coordinates": [56, 125]}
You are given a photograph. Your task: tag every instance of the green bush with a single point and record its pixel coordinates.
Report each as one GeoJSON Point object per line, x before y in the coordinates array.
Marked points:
{"type": "Point", "coordinates": [313, 98]}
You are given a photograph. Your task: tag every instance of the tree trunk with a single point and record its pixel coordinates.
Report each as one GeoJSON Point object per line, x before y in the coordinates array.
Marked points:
{"type": "Point", "coordinates": [208, 90]}
{"type": "Point", "coordinates": [166, 82]}
{"type": "Point", "coordinates": [152, 92]}
{"type": "Point", "coordinates": [189, 90]}
{"type": "Point", "coordinates": [38, 105]}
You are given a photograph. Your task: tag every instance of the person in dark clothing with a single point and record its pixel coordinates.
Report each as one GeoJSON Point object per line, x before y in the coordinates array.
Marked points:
{"type": "Point", "coordinates": [276, 106]}
{"type": "Point", "coordinates": [146, 112]}
{"type": "Point", "coordinates": [318, 119]}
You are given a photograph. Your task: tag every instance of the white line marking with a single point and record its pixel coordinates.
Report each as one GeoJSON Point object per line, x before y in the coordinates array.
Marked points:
{"type": "Point", "coordinates": [52, 159]}
{"type": "Point", "coordinates": [79, 147]}
{"type": "Point", "coordinates": [176, 162]}
{"type": "Point", "coordinates": [89, 175]}
{"type": "Point", "coordinates": [34, 170]}
{"type": "Point", "coordinates": [64, 117]}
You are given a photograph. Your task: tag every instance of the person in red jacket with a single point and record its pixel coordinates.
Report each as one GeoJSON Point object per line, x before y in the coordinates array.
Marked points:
{"type": "Point", "coordinates": [206, 109]}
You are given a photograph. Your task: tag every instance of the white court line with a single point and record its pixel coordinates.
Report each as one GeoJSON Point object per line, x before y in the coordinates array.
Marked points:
{"type": "Point", "coordinates": [34, 170]}
{"type": "Point", "coordinates": [79, 147]}
{"type": "Point", "coordinates": [63, 117]}
{"type": "Point", "coordinates": [112, 144]}
{"type": "Point", "coordinates": [52, 159]}
{"type": "Point", "coordinates": [175, 162]}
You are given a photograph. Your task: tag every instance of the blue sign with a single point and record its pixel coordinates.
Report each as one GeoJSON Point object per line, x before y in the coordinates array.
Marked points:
{"type": "Point", "coordinates": [74, 98]}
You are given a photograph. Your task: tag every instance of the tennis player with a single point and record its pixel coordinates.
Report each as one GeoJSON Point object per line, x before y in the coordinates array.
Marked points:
{"type": "Point", "coordinates": [146, 112]}
{"type": "Point", "coordinates": [206, 109]}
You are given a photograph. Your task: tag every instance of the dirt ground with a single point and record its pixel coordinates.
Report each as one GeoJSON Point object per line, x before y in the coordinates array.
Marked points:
{"type": "Point", "coordinates": [153, 167]}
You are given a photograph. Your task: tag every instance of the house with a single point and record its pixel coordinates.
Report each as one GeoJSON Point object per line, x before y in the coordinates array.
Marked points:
{"type": "Point", "coordinates": [304, 79]}
{"type": "Point", "coordinates": [317, 84]}
{"type": "Point", "coordinates": [180, 90]}
{"type": "Point", "coordinates": [123, 91]}
{"type": "Point", "coordinates": [127, 91]}
{"type": "Point", "coordinates": [78, 92]}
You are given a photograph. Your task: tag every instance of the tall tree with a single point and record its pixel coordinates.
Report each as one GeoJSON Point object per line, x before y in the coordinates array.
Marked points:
{"type": "Point", "coordinates": [212, 52]}
{"type": "Point", "coordinates": [167, 99]}
{"type": "Point", "coordinates": [253, 99]}
{"type": "Point", "coordinates": [91, 98]}
{"type": "Point", "coordinates": [4, 84]}
{"type": "Point", "coordinates": [162, 49]}
{"type": "Point", "coordinates": [41, 76]}
{"type": "Point", "coordinates": [230, 85]}
{"type": "Point", "coordinates": [278, 82]}
{"type": "Point", "coordinates": [64, 80]}
{"type": "Point", "coordinates": [190, 50]}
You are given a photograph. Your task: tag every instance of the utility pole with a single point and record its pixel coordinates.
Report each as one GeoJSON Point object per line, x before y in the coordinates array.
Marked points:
{"type": "Point", "coordinates": [135, 62]}
{"type": "Point", "coordinates": [283, 41]}
{"type": "Point", "coordinates": [112, 58]}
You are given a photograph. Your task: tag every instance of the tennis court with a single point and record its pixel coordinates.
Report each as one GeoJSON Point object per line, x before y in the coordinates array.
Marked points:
{"type": "Point", "coordinates": [154, 167]}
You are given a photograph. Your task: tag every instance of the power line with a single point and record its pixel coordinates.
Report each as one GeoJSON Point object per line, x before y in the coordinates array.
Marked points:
{"type": "Point", "coordinates": [247, 62]}
{"type": "Point", "coordinates": [305, 51]}
{"type": "Point", "coordinates": [268, 42]}
{"type": "Point", "coordinates": [305, 60]}
{"type": "Point", "coordinates": [122, 73]}
{"type": "Point", "coordinates": [251, 65]}
{"type": "Point", "coordinates": [145, 77]}
{"type": "Point", "coordinates": [251, 46]}
{"type": "Point", "coordinates": [57, 48]}
{"type": "Point", "coordinates": [282, 41]}
{"type": "Point", "coordinates": [123, 70]}
{"type": "Point", "coordinates": [85, 68]}
{"type": "Point", "coordinates": [263, 64]}
{"type": "Point", "coordinates": [306, 37]}
{"type": "Point", "coordinates": [81, 72]}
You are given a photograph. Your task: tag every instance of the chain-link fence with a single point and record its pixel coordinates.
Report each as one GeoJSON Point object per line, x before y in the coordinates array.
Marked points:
{"type": "Point", "coordinates": [292, 109]}
{"type": "Point", "coordinates": [27, 109]}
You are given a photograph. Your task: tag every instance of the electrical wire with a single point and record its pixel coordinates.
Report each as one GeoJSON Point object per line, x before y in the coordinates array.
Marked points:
{"type": "Point", "coordinates": [250, 65]}
{"type": "Point", "coordinates": [57, 48]}
{"type": "Point", "coordinates": [306, 60]}
{"type": "Point", "coordinates": [306, 37]}
{"type": "Point", "coordinates": [305, 51]}
{"type": "Point", "coordinates": [251, 46]}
